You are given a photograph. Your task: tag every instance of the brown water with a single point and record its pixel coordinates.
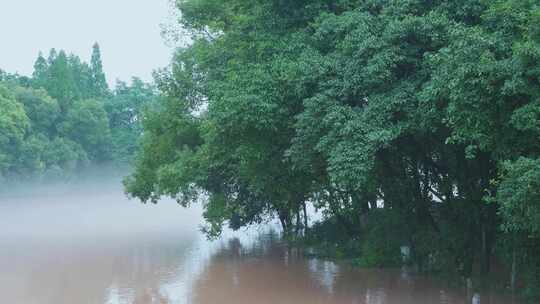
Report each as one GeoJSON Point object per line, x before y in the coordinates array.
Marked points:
{"type": "Point", "coordinates": [89, 244]}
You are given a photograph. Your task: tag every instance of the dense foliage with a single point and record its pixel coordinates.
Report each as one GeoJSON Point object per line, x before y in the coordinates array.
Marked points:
{"type": "Point", "coordinates": [407, 122]}
{"type": "Point", "coordinates": [65, 117]}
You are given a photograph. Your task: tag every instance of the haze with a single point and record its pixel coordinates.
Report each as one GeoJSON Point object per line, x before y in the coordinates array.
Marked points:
{"type": "Point", "coordinates": [85, 242]}
{"type": "Point", "coordinates": [128, 32]}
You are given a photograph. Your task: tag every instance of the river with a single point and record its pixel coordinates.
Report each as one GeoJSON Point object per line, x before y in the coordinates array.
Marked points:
{"type": "Point", "coordinates": [88, 243]}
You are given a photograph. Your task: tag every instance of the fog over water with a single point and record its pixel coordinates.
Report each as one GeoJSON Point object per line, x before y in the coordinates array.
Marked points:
{"type": "Point", "coordinates": [86, 242]}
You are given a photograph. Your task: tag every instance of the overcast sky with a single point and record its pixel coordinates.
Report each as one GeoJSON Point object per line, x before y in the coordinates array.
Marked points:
{"type": "Point", "coordinates": [128, 32]}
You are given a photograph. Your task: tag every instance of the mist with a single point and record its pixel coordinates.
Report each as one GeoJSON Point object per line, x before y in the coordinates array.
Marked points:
{"type": "Point", "coordinates": [82, 240]}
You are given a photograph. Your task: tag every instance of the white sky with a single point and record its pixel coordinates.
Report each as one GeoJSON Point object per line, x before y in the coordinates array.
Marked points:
{"type": "Point", "coordinates": [128, 32]}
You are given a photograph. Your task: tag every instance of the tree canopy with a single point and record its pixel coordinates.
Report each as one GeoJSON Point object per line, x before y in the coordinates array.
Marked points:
{"type": "Point", "coordinates": [414, 121]}
{"type": "Point", "coordinates": [65, 117]}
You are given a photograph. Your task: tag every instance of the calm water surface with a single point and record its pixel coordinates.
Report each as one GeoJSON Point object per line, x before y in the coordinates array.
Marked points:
{"type": "Point", "coordinates": [89, 244]}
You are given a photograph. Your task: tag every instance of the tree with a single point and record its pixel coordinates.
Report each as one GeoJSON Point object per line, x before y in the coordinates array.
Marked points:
{"type": "Point", "coordinates": [61, 84]}
{"type": "Point", "coordinates": [87, 123]}
{"type": "Point", "coordinates": [65, 123]}
{"type": "Point", "coordinates": [53, 54]}
{"type": "Point", "coordinates": [125, 109]}
{"type": "Point", "coordinates": [246, 131]}
{"type": "Point", "coordinates": [14, 125]}
{"type": "Point", "coordinates": [415, 122]}
{"type": "Point", "coordinates": [40, 73]}
{"type": "Point", "coordinates": [42, 110]}
{"type": "Point", "coordinates": [99, 83]}
{"type": "Point", "coordinates": [82, 77]}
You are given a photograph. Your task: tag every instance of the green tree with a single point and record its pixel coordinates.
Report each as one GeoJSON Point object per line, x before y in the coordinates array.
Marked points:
{"type": "Point", "coordinates": [60, 84]}
{"type": "Point", "coordinates": [41, 69]}
{"type": "Point", "coordinates": [125, 108]}
{"type": "Point", "coordinates": [246, 129]}
{"type": "Point", "coordinates": [14, 125]}
{"type": "Point", "coordinates": [87, 124]}
{"type": "Point", "coordinates": [68, 123]}
{"type": "Point", "coordinates": [42, 110]}
{"type": "Point", "coordinates": [99, 83]}
{"type": "Point", "coordinates": [82, 77]}
{"type": "Point", "coordinates": [53, 54]}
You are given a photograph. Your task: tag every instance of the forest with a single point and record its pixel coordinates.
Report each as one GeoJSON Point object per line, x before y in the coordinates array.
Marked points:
{"type": "Point", "coordinates": [65, 117]}
{"type": "Point", "coordinates": [405, 122]}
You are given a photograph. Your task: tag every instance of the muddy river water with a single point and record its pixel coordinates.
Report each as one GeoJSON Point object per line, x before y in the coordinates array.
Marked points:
{"type": "Point", "coordinates": [90, 244]}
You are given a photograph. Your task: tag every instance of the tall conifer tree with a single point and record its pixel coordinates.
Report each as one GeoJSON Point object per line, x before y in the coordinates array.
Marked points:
{"type": "Point", "coordinates": [41, 68]}
{"type": "Point", "coordinates": [52, 56]}
{"type": "Point", "coordinates": [60, 84]}
{"type": "Point", "coordinates": [98, 76]}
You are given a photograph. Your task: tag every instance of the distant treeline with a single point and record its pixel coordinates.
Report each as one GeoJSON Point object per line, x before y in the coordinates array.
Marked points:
{"type": "Point", "coordinates": [408, 122]}
{"type": "Point", "coordinates": [65, 117]}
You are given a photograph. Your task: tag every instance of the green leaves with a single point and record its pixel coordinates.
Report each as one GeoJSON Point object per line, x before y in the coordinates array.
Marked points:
{"type": "Point", "coordinates": [65, 116]}
{"type": "Point", "coordinates": [373, 109]}
{"type": "Point", "coordinates": [519, 194]}
{"type": "Point", "coordinates": [14, 124]}
{"type": "Point", "coordinates": [125, 109]}
{"type": "Point", "coordinates": [42, 110]}
{"type": "Point", "coordinates": [88, 124]}
{"type": "Point", "coordinates": [98, 83]}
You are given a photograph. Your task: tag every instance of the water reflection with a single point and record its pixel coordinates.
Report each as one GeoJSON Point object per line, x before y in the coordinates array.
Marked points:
{"type": "Point", "coordinates": [278, 275]}
{"type": "Point", "coordinates": [91, 245]}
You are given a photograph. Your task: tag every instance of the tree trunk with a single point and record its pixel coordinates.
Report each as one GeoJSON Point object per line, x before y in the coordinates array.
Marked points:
{"type": "Point", "coordinates": [305, 218]}
{"type": "Point", "coordinates": [485, 257]}
{"type": "Point", "coordinates": [298, 222]}
{"type": "Point", "coordinates": [513, 275]}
